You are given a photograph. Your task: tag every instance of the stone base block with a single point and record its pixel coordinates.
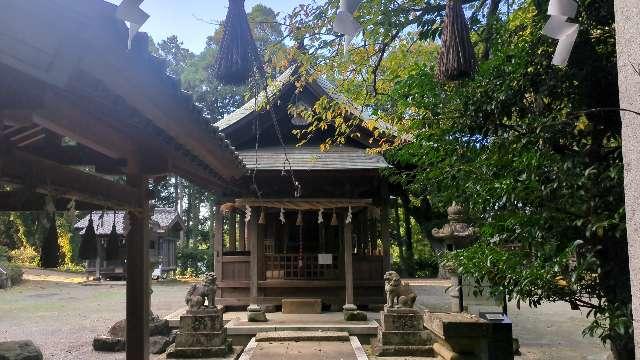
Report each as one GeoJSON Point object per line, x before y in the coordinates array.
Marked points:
{"type": "Point", "coordinates": [23, 350]}
{"type": "Point", "coordinates": [200, 339]}
{"type": "Point", "coordinates": [256, 316]}
{"type": "Point", "coordinates": [218, 309]}
{"type": "Point", "coordinates": [392, 321]}
{"type": "Point", "coordinates": [355, 315]}
{"type": "Point", "coordinates": [405, 338]}
{"type": "Point", "coordinates": [400, 350]}
{"type": "Point", "coordinates": [446, 353]}
{"type": "Point", "coordinates": [452, 325]}
{"type": "Point", "coordinates": [282, 336]}
{"type": "Point", "coordinates": [108, 344]}
{"type": "Point", "coordinates": [199, 353]}
{"type": "Point", "coordinates": [199, 323]}
{"type": "Point", "coordinates": [301, 306]}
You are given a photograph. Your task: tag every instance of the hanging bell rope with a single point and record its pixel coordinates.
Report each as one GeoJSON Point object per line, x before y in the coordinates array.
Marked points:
{"type": "Point", "coordinates": [457, 59]}
{"type": "Point", "coordinates": [282, 218]}
{"type": "Point", "coordinates": [238, 55]}
{"type": "Point", "coordinates": [299, 219]}
{"type": "Point", "coordinates": [320, 219]}
{"type": "Point", "coordinates": [88, 247]}
{"type": "Point", "coordinates": [113, 243]}
{"type": "Point", "coordinates": [334, 218]}
{"type": "Point", "coordinates": [263, 219]}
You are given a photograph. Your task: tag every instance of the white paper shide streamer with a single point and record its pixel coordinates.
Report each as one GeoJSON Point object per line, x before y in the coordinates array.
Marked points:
{"type": "Point", "coordinates": [129, 11]}
{"type": "Point", "coordinates": [345, 23]}
{"type": "Point", "coordinates": [557, 27]}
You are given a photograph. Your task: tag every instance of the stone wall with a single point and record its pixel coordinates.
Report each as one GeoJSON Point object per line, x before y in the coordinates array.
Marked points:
{"type": "Point", "coordinates": [628, 48]}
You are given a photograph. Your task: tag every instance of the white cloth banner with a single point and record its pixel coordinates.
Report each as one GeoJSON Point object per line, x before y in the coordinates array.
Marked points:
{"type": "Point", "coordinates": [557, 27]}
{"type": "Point", "coordinates": [129, 11]}
{"type": "Point", "coordinates": [345, 23]}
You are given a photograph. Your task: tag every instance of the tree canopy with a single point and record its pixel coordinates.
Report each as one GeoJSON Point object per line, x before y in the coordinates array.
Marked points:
{"type": "Point", "coordinates": [532, 150]}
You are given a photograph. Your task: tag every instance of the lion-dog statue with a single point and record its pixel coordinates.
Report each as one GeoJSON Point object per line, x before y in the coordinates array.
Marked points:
{"type": "Point", "coordinates": [399, 294]}
{"type": "Point", "coordinates": [199, 293]}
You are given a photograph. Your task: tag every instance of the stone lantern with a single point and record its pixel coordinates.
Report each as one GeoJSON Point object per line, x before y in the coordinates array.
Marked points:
{"type": "Point", "coordinates": [455, 235]}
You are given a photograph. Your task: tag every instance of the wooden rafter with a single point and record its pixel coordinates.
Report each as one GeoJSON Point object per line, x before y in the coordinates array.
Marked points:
{"type": "Point", "coordinates": [45, 176]}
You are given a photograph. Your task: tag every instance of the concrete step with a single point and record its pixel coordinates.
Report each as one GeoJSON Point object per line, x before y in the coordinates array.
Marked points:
{"type": "Point", "coordinates": [274, 336]}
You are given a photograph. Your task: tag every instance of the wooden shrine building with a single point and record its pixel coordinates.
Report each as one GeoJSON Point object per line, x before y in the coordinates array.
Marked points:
{"type": "Point", "coordinates": [332, 241]}
{"type": "Point", "coordinates": [83, 118]}
{"type": "Point", "coordinates": [166, 226]}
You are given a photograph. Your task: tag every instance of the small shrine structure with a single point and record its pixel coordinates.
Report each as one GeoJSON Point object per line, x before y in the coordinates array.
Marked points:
{"type": "Point", "coordinates": [312, 224]}
{"type": "Point", "coordinates": [167, 228]}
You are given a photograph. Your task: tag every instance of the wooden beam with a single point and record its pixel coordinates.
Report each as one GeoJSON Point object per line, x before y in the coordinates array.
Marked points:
{"type": "Point", "coordinates": [384, 227]}
{"type": "Point", "coordinates": [78, 155]}
{"type": "Point", "coordinates": [233, 223]}
{"type": "Point", "coordinates": [218, 241]}
{"type": "Point", "coordinates": [26, 133]}
{"type": "Point", "coordinates": [150, 93]}
{"type": "Point", "coordinates": [348, 264]}
{"type": "Point", "coordinates": [252, 238]}
{"type": "Point", "coordinates": [45, 176]}
{"type": "Point", "coordinates": [138, 277]}
{"type": "Point", "coordinates": [242, 226]}
{"type": "Point", "coordinates": [23, 200]}
{"type": "Point", "coordinates": [63, 117]}
{"type": "Point", "coordinates": [31, 140]}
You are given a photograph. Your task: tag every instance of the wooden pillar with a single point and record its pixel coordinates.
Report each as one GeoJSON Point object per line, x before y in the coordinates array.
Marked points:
{"type": "Point", "coordinates": [384, 228]}
{"type": "Point", "coordinates": [252, 239]}
{"type": "Point", "coordinates": [233, 221]}
{"type": "Point", "coordinates": [242, 226]}
{"type": "Point", "coordinates": [348, 264]}
{"type": "Point", "coordinates": [218, 226]}
{"type": "Point", "coordinates": [138, 277]}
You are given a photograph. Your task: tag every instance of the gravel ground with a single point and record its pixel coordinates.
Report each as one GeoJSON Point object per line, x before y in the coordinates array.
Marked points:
{"type": "Point", "coordinates": [62, 316]}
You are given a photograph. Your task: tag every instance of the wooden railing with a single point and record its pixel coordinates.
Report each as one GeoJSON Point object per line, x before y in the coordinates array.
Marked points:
{"type": "Point", "coordinates": [289, 267]}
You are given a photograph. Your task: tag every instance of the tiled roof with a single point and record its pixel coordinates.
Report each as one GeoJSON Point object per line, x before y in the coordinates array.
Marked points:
{"type": "Point", "coordinates": [103, 220]}
{"type": "Point", "coordinates": [312, 158]}
{"type": "Point", "coordinates": [321, 84]}
{"type": "Point", "coordinates": [250, 106]}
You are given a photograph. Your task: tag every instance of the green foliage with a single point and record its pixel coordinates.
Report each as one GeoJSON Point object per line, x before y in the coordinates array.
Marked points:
{"type": "Point", "coordinates": [13, 271]}
{"type": "Point", "coordinates": [26, 255]}
{"type": "Point", "coordinates": [194, 261]}
{"type": "Point", "coordinates": [4, 253]}
{"type": "Point", "coordinates": [542, 178]}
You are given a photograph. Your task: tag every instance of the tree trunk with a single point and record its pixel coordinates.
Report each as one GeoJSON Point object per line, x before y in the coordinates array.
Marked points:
{"type": "Point", "coordinates": [489, 29]}
{"type": "Point", "coordinates": [408, 234]}
{"type": "Point", "coordinates": [616, 282]}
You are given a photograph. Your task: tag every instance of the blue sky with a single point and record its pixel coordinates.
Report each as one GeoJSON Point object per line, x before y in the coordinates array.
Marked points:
{"type": "Point", "coordinates": [180, 17]}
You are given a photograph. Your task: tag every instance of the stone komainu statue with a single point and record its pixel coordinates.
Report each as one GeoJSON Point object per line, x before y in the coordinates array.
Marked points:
{"type": "Point", "coordinates": [399, 294]}
{"type": "Point", "coordinates": [198, 293]}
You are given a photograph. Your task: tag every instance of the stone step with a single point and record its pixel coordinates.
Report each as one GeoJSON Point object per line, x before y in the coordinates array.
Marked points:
{"type": "Point", "coordinates": [302, 336]}
{"type": "Point", "coordinates": [301, 306]}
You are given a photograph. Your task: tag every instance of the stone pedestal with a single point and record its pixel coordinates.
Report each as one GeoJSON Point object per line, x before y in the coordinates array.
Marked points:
{"type": "Point", "coordinates": [202, 335]}
{"type": "Point", "coordinates": [255, 313]}
{"type": "Point", "coordinates": [351, 313]}
{"type": "Point", "coordinates": [402, 333]}
{"type": "Point", "coordinates": [461, 335]}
